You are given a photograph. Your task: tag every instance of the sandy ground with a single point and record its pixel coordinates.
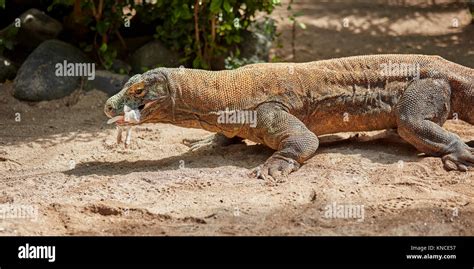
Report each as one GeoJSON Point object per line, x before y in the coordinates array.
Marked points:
{"type": "Point", "coordinates": [60, 159]}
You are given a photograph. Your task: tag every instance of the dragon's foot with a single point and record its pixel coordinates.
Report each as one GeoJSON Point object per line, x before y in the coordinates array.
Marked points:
{"type": "Point", "coordinates": [195, 144]}
{"type": "Point", "coordinates": [212, 141]}
{"type": "Point", "coordinates": [275, 169]}
{"type": "Point", "coordinates": [460, 159]}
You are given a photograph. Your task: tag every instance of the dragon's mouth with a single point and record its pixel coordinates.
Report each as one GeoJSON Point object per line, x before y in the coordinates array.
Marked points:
{"type": "Point", "coordinates": [144, 109]}
{"type": "Point", "coordinates": [147, 104]}
{"type": "Point", "coordinates": [133, 117]}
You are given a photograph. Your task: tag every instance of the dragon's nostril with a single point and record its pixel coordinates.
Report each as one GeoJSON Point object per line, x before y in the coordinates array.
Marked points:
{"type": "Point", "coordinates": [109, 109]}
{"type": "Point", "coordinates": [140, 107]}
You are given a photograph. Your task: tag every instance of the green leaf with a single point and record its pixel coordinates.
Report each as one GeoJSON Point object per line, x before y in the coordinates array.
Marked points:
{"type": "Point", "coordinates": [185, 12]}
{"type": "Point", "coordinates": [102, 27]}
{"type": "Point", "coordinates": [103, 47]}
{"type": "Point", "coordinates": [2, 3]}
{"type": "Point", "coordinates": [216, 6]}
{"type": "Point", "coordinates": [302, 25]}
{"type": "Point", "coordinates": [197, 62]}
{"type": "Point", "coordinates": [227, 6]}
{"type": "Point", "coordinates": [237, 39]}
{"type": "Point", "coordinates": [11, 32]}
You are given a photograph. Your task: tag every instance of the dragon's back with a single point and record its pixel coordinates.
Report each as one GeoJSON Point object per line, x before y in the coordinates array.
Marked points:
{"type": "Point", "coordinates": [299, 85]}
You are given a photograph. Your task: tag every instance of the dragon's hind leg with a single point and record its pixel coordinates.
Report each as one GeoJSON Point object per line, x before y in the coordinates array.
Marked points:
{"type": "Point", "coordinates": [421, 111]}
{"type": "Point", "coordinates": [293, 142]}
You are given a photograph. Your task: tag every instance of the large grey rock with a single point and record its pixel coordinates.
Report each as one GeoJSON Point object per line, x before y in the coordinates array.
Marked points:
{"type": "Point", "coordinates": [120, 67]}
{"type": "Point", "coordinates": [107, 82]}
{"type": "Point", "coordinates": [254, 47]}
{"type": "Point", "coordinates": [151, 55]}
{"type": "Point", "coordinates": [7, 69]}
{"type": "Point", "coordinates": [38, 79]}
{"type": "Point", "coordinates": [257, 41]}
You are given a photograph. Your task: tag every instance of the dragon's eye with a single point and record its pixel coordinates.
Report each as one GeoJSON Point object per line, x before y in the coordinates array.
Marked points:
{"type": "Point", "coordinates": [137, 89]}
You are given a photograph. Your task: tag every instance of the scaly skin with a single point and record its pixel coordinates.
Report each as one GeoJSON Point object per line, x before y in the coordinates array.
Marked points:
{"type": "Point", "coordinates": [296, 102]}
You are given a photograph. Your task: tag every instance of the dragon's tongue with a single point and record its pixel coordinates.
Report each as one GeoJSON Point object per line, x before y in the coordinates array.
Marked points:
{"type": "Point", "coordinates": [114, 119]}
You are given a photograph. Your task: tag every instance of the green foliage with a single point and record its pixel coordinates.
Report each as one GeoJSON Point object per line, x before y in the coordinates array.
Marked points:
{"type": "Point", "coordinates": [266, 27]}
{"type": "Point", "coordinates": [7, 38]}
{"type": "Point", "coordinates": [203, 29]}
{"type": "Point", "coordinates": [200, 29]}
{"type": "Point", "coordinates": [104, 18]}
{"type": "Point", "coordinates": [2, 3]}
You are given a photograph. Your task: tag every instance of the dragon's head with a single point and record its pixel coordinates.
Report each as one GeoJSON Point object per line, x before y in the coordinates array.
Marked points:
{"type": "Point", "coordinates": [148, 93]}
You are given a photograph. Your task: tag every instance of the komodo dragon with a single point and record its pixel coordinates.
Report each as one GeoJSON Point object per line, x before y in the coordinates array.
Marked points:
{"type": "Point", "coordinates": [297, 102]}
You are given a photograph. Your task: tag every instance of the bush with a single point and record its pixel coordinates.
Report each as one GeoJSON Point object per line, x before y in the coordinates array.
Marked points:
{"type": "Point", "coordinates": [201, 34]}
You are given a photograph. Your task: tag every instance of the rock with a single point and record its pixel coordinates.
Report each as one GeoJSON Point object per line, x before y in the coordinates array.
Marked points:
{"type": "Point", "coordinates": [107, 82]}
{"type": "Point", "coordinates": [151, 55]}
{"type": "Point", "coordinates": [265, 26]}
{"type": "Point", "coordinates": [40, 77]}
{"type": "Point", "coordinates": [7, 69]}
{"type": "Point", "coordinates": [34, 27]}
{"type": "Point", "coordinates": [254, 47]}
{"type": "Point", "coordinates": [257, 41]}
{"type": "Point", "coordinates": [120, 67]}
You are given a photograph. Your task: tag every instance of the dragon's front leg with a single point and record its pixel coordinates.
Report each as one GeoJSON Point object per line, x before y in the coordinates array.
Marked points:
{"type": "Point", "coordinates": [293, 142]}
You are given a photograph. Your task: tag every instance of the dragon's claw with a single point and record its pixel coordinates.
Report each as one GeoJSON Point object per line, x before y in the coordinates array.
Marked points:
{"type": "Point", "coordinates": [459, 160]}
{"type": "Point", "coordinates": [276, 169]}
